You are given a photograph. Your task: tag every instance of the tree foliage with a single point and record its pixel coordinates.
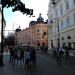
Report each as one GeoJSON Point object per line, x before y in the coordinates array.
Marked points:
{"type": "Point", "coordinates": [17, 6]}
{"type": "Point", "coordinates": [9, 40]}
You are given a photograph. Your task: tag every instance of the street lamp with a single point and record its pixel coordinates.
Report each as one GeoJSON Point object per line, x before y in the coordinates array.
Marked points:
{"type": "Point", "coordinates": [53, 2]}
{"type": "Point", "coordinates": [58, 34]}
{"type": "Point", "coordinates": [58, 40]}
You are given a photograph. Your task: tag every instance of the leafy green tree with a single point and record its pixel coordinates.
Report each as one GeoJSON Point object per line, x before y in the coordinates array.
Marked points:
{"type": "Point", "coordinates": [17, 6]}
{"type": "Point", "coordinates": [9, 40]}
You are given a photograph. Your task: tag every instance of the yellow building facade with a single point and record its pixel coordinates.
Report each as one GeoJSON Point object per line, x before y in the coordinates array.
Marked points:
{"type": "Point", "coordinates": [36, 34]}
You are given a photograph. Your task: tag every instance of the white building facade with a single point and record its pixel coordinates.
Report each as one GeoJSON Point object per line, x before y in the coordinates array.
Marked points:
{"type": "Point", "coordinates": [61, 21]}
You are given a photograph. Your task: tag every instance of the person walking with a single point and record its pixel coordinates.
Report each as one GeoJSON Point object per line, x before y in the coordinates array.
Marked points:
{"type": "Point", "coordinates": [33, 55]}
{"type": "Point", "coordinates": [46, 49]}
{"type": "Point", "coordinates": [67, 57]}
{"type": "Point", "coordinates": [27, 58]}
{"type": "Point", "coordinates": [54, 52]}
{"type": "Point", "coordinates": [21, 56]}
{"type": "Point", "coordinates": [11, 54]}
{"type": "Point", "coordinates": [15, 55]}
{"type": "Point", "coordinates": [60, 53]}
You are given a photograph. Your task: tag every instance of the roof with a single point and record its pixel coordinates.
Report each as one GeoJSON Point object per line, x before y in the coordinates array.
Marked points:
{"type": "Point", "coordinates": [40, 19]}
{"type": "Point", "coordinates": [32, 23]}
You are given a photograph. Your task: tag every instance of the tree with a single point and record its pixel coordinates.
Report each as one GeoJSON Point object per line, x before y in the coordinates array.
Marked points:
{"type": "Point", "coordinates": [9, 40]}
{"type": "Point", "coordinates": [17, 6]}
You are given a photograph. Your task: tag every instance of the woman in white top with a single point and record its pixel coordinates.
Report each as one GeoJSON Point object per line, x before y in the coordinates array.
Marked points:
{"type": "Point", "coordinates": [27, 58]}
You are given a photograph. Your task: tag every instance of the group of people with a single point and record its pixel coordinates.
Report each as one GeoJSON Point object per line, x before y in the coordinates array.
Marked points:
{"type": "Point", "coordinates": [59, 53]}
{"type": "Point", "coordinates": [25, 55]}
{"type": "Point", "coordinates": [44, 49]}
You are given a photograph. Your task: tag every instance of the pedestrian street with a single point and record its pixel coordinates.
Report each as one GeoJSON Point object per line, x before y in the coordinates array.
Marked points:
{"type": "Point", "coordinates": [44, 66]}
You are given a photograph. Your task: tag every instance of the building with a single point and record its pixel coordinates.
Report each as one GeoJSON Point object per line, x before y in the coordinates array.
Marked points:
{"type": "Point", "coordinates": [61, 22]}
{"type": "Point", "coordinates": [35, 34]}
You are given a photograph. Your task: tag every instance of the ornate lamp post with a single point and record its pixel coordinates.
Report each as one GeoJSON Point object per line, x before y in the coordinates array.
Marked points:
{"type": "Point", "coordinates": [54, 3]}
{"type": "Point", "coordinates": [58, 33]}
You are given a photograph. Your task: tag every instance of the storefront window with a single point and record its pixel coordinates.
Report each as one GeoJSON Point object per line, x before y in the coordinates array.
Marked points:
{"type": "Point", "coordinates": [69, 46]}
{"type": "Point", "coordinates": [74, 45]}
{"type": "Point", "coordinates": [63, 45]}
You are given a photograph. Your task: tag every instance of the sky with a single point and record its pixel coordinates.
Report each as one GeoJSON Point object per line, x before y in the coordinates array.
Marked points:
{"type": "Point", "coordinates": [16, 19]}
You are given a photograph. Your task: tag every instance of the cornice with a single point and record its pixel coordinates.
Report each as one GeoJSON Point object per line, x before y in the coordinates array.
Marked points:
{"type": "Point", "coordinates": [64, 30]}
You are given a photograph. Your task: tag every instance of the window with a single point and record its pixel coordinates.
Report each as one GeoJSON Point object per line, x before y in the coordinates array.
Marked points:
{"type": "Point", "coordinates": [51, 17]}
{"type": "Point", "coordinates": [51, 43]}
{"type": "Point", "coordinates": [74, 45]}
{"type": "Point", "coordinates": [56, 12]}
{"type": "Point", "coordinates": [63, 45]}
{"type": "Point", "coordinates": [37, 30]}
{"type": "Point", "coordinates": [69, 45]}
{"type": "Point", "coordinates": [62, 24]}
{"type": "Point", "coordinates": [42, 36]}
{"type": "Point", "coordinates": [61, 9]}
{"type": "Point", "coordinates": [69, 37]}
{"type": "Point", "coordinates": [68, 20]}
{"type": "Point", "coordinates": [56, 28]}
{"type": "Point", "coordinates": [44, 33]}
{"type": "Point", "coordinates": [62, 38]}
{"type": "Point", "coordinates": [74, 18]}
{"type": "Point", "coordinates": [67, 5]}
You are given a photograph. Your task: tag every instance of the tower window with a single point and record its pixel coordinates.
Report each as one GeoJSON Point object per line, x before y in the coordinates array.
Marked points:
{"type": "Point", "coordinates": [69, 37]}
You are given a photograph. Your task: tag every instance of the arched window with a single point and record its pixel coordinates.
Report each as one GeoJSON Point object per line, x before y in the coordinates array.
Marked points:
{"type": "Point", "coordinates": [44, 33]}
{"type": "Point", "coordinates": [51, 21]}
{"type": "Point", "coordinates": [69, 37]}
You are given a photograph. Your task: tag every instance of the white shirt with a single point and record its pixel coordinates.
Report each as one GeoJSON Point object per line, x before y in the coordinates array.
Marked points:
{"type": "Point", "coordinates": [27, 55]}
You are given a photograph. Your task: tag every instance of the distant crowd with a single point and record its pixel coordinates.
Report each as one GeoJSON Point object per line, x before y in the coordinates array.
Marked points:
{"type": "Point", "coordinates": [26, 55]}
{"type": "Point", "coordinates": [61, 55]}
